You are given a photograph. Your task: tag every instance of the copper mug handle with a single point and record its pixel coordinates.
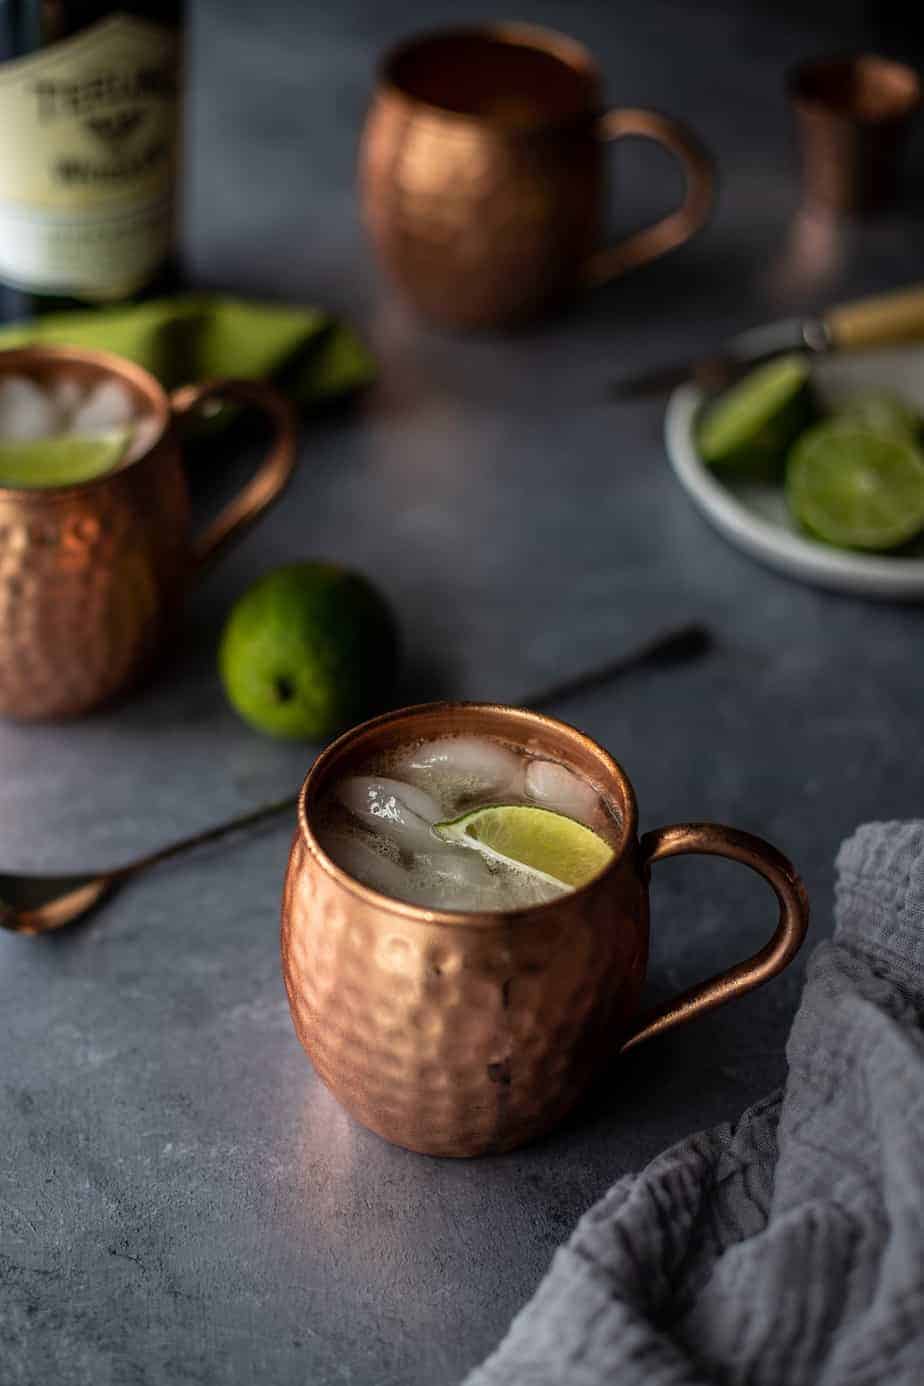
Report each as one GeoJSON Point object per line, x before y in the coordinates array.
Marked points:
{"type": "Point", "coordinates": [678, 226]}
{"type": "Point", "coordinates": [231, 523]}
{"type": "Point", "coordinates": [714, 840]}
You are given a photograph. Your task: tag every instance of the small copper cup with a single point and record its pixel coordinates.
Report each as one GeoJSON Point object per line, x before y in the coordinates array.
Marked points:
{"type": "Point", "coordinates": [459, 1034]}
{"type": "Point", "coordinates": [481, 174]}
{"type": "Point", "coordinates": [852, 118]}
{"type": "Point", "coordinates": [93, 574]}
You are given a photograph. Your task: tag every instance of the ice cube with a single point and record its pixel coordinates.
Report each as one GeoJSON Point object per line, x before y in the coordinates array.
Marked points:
{"type": "Point", "coordinates": [452, 880]}
{"type": "Point", "coordinates": [26, 410]}
{"type": "Point", "coordinates": [520, 889]}
{"type": "Point", "coordinates": [462, 880]}
{"type": "Point", "coordinates": [465, 765]}
{"type": "Point", "coordinates": [365, 863]}
{"type": "Point", "coordinates": [555, 787]}
{"type": "Point", "coordinates": [108, 405]}
{"type": "Point", "coordinates": [462, 867]}
{"type": "Point", "coordinates": [399, 811]}
{"type": "Point", "coordinates": [145, 435]}
{"type": "Point", "coordinates": [459, 880]}
{"type": "Point", "coordinates": [67, 394]}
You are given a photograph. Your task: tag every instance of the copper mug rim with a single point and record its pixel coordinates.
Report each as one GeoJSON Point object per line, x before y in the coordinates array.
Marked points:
{"type": "Point", "coordinates": [553, 43]}
{"type": "Point", "coordinates": [805, 83]}
{"type": "Point", "coordinates": [322, 767]}
{"type": "Point", "coordinates": [108, 362]}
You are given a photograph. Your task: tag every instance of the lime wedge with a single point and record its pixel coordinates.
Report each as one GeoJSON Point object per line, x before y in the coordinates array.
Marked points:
{"type": "Point", "coordinates": [750, 426]}
{"type": "Point", "coordinates": [856, 489]}
{"type": "Point", "coordinates": [879, 411]}
{"type": "Point", "coordinates": [61, 460]}
{"type": "Point", "coordinates": [547, 844]}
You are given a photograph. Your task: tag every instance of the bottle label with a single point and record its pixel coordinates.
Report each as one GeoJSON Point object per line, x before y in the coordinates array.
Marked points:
{"type": "Point", "coordinates": [88, 160]}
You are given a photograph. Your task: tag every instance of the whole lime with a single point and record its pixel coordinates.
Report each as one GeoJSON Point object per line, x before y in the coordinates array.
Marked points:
{"type": "Point", "coordinates": [308, 650]}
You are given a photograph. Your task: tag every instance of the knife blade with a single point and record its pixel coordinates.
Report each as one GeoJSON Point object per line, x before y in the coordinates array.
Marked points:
{"type": "Point", "coordinates": [882, 320]}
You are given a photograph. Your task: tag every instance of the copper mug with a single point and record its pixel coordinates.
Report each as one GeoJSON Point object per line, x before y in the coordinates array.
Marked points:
{"type": "Point", "coordinates": [853, 114]}
{"type": "Point", "coordinates": [94, 573]}
{"type": "Point", "coordinates": [458, 1034]}
{"type": "Point", "coordinates": [481, 174]}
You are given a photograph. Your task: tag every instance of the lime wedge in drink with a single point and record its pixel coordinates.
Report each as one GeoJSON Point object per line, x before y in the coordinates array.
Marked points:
{"type": "Point", "coordinates": [548, 845]}
{"type": "Point", "coordinates": [879, 411]}
{"type": "Point", "coordinates": [62, 460]}
{"type": "Point", "coordinates": [856, 489]}
{"type": "Point", "coordinates": [749, 427]}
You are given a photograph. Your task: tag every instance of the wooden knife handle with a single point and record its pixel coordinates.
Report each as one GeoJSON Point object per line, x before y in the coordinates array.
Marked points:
{"type": "Point", "coordinates": [883, 320]}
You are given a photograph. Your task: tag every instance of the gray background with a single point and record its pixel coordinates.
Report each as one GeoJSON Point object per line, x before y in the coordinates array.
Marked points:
{"type": "Point", "coordinates": [180, 1200]}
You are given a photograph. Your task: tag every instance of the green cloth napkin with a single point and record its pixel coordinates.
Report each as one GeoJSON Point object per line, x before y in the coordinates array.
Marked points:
{"type": "Point", "coordinates": [312, 357]}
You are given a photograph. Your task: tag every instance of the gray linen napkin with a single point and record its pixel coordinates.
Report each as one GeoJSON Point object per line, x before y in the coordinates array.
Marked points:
{"type": "Point", "coordinates": [787, 1250]}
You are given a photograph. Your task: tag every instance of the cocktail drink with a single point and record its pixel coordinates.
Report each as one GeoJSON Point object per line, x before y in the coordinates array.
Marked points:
{"type": "Point", "coordinates": [465, 922]}
{"type": "Point", "coordinates": [468, 823]}
{"type": "Point", "coordinates": [63, 428]}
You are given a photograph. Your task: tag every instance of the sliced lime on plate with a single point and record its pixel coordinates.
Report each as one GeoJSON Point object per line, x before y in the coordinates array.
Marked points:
{"type": "Point", "coordinates": [61, 460]}
{"type": "Point", "coordinates": [558, 849]}
{"type": "Point", "coordinates": [856, 489]}
{"type": "Point", "coordinates": [749, 427]}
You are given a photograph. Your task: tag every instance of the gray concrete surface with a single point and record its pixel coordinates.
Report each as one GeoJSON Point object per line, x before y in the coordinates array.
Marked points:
{"type": "Point", "coordinates": [180, 1200]}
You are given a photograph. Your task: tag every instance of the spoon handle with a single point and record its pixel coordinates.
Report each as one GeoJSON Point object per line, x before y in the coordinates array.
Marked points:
{"type": "Point", "coordinates": [668, 647]}
{"type": "Point", "coordinates": [213, 834]}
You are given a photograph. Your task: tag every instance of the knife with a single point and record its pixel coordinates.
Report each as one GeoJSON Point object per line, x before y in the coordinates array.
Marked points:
{"type": "Point", "coordinates": [882, 320]}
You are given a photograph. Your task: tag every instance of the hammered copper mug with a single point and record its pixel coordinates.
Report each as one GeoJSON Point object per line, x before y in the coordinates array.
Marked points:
{"type": "Point", "coordinates": [93, 574]}
{"type": "Point", "coordinates": [457, 1034]}
{"type": "Point", "coordinates": [481, 174]}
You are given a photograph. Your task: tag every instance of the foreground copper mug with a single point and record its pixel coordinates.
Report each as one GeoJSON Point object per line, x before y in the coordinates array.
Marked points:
{"type": "Point", "coordinates": [92, 574]}
{"type": "Point", "coordinates": [482, 174]}
{"type": "Point", "coordinates": [459, 1034]}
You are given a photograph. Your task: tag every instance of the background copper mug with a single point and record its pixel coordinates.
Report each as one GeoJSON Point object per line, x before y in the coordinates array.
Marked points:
{"type": "Point", "coordinates": [853, 114]}
{"type": "Point", "coordinates": [93, 573]}
{"type": "Point", "coordinates": [458, 1034]}
{"type": "Point", "coordinates": [482, 174]}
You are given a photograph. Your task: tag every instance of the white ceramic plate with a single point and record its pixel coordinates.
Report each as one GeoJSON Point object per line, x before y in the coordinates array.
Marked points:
{"type": "Point", "coordinates": [754, 516]}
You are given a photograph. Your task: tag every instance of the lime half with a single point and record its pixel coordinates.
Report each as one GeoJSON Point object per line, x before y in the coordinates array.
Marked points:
{"type": "Point", "coordinates": [750, 426]}
{"type": "Point", "coordinates": [856, 489]}
{"type": "Point", "coordinates": [559, 849]}
{"type": "Point", "coordinates": [62, 460]}
{"type": "Point", "coordinates": [879, 411]}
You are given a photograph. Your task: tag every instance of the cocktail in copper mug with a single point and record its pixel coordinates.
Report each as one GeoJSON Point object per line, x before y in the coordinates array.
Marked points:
{"type": "Point", "coordinates": [482, 175]}
{"type": "Point", "coordinates": [93, 573]}
{"type": "Point", "coordinates": [456, 1033]}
